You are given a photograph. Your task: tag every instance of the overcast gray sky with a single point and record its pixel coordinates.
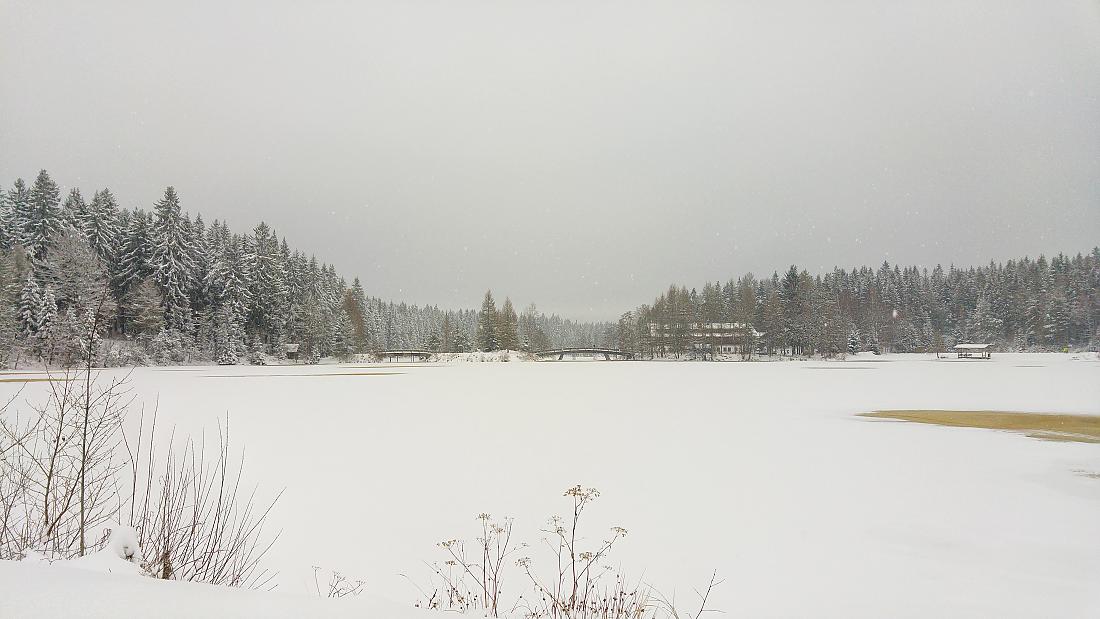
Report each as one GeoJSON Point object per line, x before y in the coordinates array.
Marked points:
{"type": "Point", "coordinates": [581, 155]}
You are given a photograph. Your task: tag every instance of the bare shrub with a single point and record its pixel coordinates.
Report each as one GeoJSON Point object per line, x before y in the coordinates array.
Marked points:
{"type": "Point", "coordinates": [61, 480]}
{"type": "Point", "coordinates": [14, 529]}
{"type": "Point", "coordinates": [580, 583]}
{"type": "Point", "coordinates": [668, 607]}
{"type": "Point", "coordinates": [193, 519]}
{"type": "Point", "coordinates": [59, 467]}
{"type": "Point", "coordinates": [338, 585]}
{"type": "Point", "coordinates": [472, 581]}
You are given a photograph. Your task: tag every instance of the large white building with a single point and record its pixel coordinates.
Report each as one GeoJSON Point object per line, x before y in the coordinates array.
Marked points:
{"type": "Point", "coordinates": [713, 337]}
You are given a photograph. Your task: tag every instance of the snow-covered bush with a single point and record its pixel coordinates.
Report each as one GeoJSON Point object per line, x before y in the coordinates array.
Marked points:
{"type": "Point", "coordinates": [168, 347]}
{"type": "Point", "coordinates": [121, 356]}
{"type": "Point", "coordinates": [228, 357]}
{"type": "Point", "coordinates": [112, 359]}
{"type": "Point", "coordinates": [123, 543]}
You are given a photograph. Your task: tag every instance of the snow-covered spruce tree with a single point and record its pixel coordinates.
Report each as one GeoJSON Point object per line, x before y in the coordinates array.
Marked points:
{"type": "Point", "coordinates": [310, 328]}
{"type": "Point", "coordinates": [12, 280]}
{"type": "Point", "coordinates": [1058, 322]}
{"type": "Point", "coordinates": [43, 216]}
{"type": "Point", "coordinates": [792, 306]}
{"type": "Point", "coordinates": [984, 325]}
{"type": "Point", "coordinates": [343, 340]}
{"type": "Point", "coordinates": [101, 226]}
{"type": "Point", "coordinates": [19, 200]}
{"type": "Point", "coordinates": [376, 324]}
{"type": "Point", "coordinates": [170, 346]}
{"type": "Point", "coordinates": [487, 321]}
{"type": "Point", "coordinates": [434, 343]}
{"type": "Point", "coordinates": [73, 210]}
{"type": "Point", "coordinates": [201, 261]}
{"type": "Point", "coordinates": [626, 339]}
{"type": "Point", "coordinates": [355, 302]}
{"type": "Point", "coordinates": [228, 336]}
{"type": "Point", "coordinates": [63, 341]}
{"type": "Point", "coordinates": [853, 342]}
{"type": "Point", "coordinates": [76, 275]}
{"type": "Point", "coordinates": [528, 323]}
{"type": "Point", "coordinates": [143, 310]}
{"type": "Point", "coordinates": [171, 260]}
{"type": "Point", "coordinates": [30, 304]}
{"type": "Point", "coordinates": [45, 319]}
{"type": "Point", "coordinates": [214, 265]}
{"type": "Point", "coordinates": [446, 334]}
{"type": "Point", "coordinates": [461, 342]}
{"type": "Point", "coordinates": [539, 339]}
{"type": "Point", "coordinates": [508, 326]}
{"type": "Point", "coordinates": [268, 282]}
{"type": "Point", "coordinates": [227, 279]}
{"type": "Point", "coordinates": [135, 252]}
{"type": "Point", "coordinates": [8, 235]}
{"type": "Point", "coordinates": [47, 311]}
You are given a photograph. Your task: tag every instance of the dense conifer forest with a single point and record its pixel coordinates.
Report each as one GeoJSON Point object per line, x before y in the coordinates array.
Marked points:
{"type": "Point", "coordinates": [1041, 304]}
{"type": "Point", "coordinates": [165, 287]}
{"type": "Point", "coordinates": [162, 286]}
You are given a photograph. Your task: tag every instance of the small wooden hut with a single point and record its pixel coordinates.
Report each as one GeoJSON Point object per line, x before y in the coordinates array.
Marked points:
{"type": "Point", "coordinates": [973, 351]}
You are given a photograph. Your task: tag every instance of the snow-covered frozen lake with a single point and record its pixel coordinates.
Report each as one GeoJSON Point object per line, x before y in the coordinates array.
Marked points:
{"type": "Point", "coordinates": [761, 471]}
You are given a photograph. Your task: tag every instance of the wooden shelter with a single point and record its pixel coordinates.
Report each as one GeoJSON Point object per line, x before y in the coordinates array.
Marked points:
{"type": "Point", "coordinates": [292, 351]}
{"type": "Point", "coordinates": [973, 351]}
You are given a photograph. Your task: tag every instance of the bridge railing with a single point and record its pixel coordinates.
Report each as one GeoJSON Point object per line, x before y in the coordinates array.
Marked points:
{"type": "Point", "coordinates": [606, 352]}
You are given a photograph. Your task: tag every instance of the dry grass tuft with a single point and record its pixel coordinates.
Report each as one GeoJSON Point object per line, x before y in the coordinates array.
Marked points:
{"type": "Point", "coordinates": [1045, 426]}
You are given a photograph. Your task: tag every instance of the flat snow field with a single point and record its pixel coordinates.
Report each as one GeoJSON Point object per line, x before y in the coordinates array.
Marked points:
{"type": "Point", "coordinates": [761, 471]}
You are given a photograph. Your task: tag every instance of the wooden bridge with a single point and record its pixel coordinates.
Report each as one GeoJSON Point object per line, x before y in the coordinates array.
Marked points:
{"type": "Point", "coordinates": [399, 356]}
{"type": "Point", "coordinates": [596, 353]}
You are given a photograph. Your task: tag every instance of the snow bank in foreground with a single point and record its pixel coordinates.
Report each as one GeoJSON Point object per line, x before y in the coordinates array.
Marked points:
{"type": "Point", "coordinates": [110, 583]}
{"type": "Point", "coordinates": [121, 555]}
{"type": "Point", "coordinates": [31, 589]}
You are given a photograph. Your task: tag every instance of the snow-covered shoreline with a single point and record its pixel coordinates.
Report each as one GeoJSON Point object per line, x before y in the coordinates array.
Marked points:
{"type": "Point", "coordinates": [519, 356]}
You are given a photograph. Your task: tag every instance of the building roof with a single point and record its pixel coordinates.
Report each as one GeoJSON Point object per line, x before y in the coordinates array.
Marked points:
{"type": "Point", "coordinates": [971, 346]}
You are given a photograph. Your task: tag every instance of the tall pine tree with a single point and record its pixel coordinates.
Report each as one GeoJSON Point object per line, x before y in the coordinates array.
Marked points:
{"type": "Point", "coordinates": [171, 260]}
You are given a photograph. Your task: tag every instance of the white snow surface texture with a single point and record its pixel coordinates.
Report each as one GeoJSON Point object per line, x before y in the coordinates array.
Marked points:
{"type": "Point", "coordinates": [761, 471]}
{"type": "Point", "coordinates": [61, 590]}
